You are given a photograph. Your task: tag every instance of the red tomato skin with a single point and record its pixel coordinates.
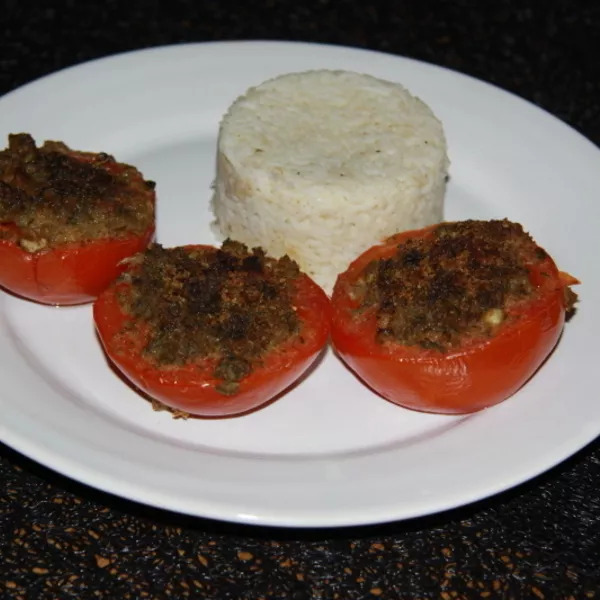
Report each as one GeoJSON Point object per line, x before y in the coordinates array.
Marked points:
{"type": "Point", "coordinates": [73, 273]}
{"type": "Point", "coordinates": [192, 389]}
{"type": "Point", "coordinates": [480, 374]}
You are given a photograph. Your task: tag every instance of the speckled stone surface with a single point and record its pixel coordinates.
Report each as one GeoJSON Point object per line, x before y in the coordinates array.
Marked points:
{"type": "Point", "coordinates": [60, 539]}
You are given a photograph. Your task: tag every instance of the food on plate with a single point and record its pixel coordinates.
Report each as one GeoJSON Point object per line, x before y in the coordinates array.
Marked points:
{"type": "Point", "coordinates": [212, 332]}
{"type": "Point", "coordinates": [451, 318]}
{"type": "Point", "coordinates": [67, 219]}
{"type": "Point", "coordinates": [320, 165]}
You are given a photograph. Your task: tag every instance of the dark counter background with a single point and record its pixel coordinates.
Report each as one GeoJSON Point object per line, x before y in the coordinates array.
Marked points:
{"type": "Point", "coordinates": [60, 539]}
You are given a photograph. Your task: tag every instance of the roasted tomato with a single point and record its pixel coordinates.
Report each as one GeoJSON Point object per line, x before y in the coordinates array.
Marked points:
{"type": "Point", "coordinates": [451, 318]}
{"type": "Point", "coordinates": [67, 220]}
{"type": "Point", "coordinates": [212, 332]}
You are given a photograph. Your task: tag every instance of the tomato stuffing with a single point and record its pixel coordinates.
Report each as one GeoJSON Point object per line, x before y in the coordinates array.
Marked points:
{"type": "Point", "coordinates": [451, 318]}
{"type": "Point", "coordinates": [67, 220]}
{"type": "Point", "coordinates": [212, 332]}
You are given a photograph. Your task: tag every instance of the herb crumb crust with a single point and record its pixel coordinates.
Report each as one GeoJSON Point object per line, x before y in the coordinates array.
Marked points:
{"type": "Point", "coordinates": [230, 305]}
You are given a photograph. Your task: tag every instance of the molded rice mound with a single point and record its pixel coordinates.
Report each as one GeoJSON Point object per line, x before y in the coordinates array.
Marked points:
{"type": "Point", "coordinates": [321, 165]}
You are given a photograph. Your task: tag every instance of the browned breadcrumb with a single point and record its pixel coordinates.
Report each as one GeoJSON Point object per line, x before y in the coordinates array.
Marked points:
{"type": "Point", "coordinates": [177, 413]}
{"type": "Point", "coordinates": [570, 301]}
{"type": "Point", "coordinates": [460, 281]}
{"type": "Point", "coordinates": [54, 195]}
{"type": "Point", "coordinates": [232, 305]}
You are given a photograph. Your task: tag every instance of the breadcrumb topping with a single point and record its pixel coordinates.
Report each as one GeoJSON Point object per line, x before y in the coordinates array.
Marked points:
{"type": "Point", "coordinates": [54, 195]}
{"type": "Point", "coordinates": [461, 281]}
{"type": "Point", "coordinates": [232, 305]}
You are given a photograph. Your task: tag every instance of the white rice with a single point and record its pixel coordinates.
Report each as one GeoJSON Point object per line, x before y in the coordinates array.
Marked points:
{"type": "Point", "coordinates": [321, 165]}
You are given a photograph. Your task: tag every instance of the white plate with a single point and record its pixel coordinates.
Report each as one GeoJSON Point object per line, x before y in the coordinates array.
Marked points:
{"type": "Point", "coordinates": [329, 452]}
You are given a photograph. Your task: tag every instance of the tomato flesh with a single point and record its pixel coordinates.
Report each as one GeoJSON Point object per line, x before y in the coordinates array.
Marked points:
{"type": "Point", "coordinates": [192, 388]}
{"type": "Point", "coordinates": [481, 373]}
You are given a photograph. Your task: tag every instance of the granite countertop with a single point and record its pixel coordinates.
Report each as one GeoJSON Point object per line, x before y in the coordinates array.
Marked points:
{"type": "Point", "coordinates": [60, 539]}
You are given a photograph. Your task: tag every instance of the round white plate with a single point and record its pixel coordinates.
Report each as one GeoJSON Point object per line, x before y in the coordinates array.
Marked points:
{"type": "Point", "coordinates": [329, 452]}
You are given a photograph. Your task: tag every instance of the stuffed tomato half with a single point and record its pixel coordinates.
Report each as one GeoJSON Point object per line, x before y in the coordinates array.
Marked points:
{"type": "Point", "coordinates": [212, 332]}
{"type": "Point", "coordinates": [67, 220]}
{"type": "Point", "coordinates": [452, 318]}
